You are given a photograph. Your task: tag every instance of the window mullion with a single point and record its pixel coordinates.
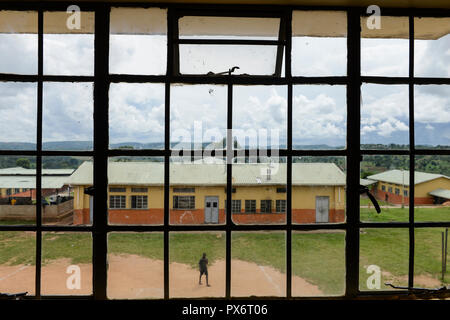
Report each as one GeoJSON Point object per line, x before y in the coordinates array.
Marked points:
{"type": "Point", "coordinates": [100, 152]}
{"type": "Point", "coordinates": [353, 151]}
{"type": "Point", "coordinates": [412, 154]}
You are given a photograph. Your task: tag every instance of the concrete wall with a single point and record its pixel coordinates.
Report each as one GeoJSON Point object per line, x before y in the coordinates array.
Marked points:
{"type": "Point", "coordinates": [51, 213]}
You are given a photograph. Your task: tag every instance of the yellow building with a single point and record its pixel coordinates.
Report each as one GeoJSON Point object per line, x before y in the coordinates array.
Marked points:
{"type": "Point", "coordinates": [198, 193]}
{"type": "Point", "coordinates": [393, 186]}
{"type": "Point", "coordinates": [18, 182]}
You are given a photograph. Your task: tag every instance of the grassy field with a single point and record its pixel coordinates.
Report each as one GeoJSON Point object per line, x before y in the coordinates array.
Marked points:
{"type": "Point", "coordinates": [402, 214]}
{"type": "Point", "coordinates": [318, 257]}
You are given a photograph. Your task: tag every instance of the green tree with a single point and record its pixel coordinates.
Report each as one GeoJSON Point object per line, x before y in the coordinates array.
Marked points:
{"type": "Point", "coordinates": [24, 163]}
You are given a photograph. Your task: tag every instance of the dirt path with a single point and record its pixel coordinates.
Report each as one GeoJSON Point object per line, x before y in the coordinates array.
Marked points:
{"type": "Point", "coordinates": [135, 277]}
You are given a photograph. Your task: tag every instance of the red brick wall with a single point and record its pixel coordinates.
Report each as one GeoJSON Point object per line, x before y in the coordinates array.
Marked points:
{"type": "Point", "coordinates": [397, 199]}
{"type": "Point", "coordinates": [156, 216]}
{"type": "Point", "coordinates": [80, 216]}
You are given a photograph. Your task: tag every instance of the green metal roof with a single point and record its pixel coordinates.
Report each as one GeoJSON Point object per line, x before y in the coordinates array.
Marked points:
{"type": "Point", "coordinates": [152, 173]}
{"type": "Point", "coordinates": [441, 193]}
{"type": "Point", "coordinates": [401, 177]}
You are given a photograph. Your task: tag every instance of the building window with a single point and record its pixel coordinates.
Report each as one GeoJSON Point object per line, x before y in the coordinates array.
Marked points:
{"type": "Point", "coordinates": [115, 189]}
{"type": "Point", "coordinates": [184, 190]}
{"type": "Point", "coordinates": [405, 193]}
{"type": "Point", "coordinates": [184, 202]}
{"type": "Point", "coordinates": [281, 206]}
{"type": "Point", "coordinates": [390, 189]}
{"type": "Point", "coordinates": [235, 206]}
{"type": "Point", "coordinates": [266, 206]}
{"type": "Point", "coordinates": [250, 206]}
{"type": "Point", "coordinates": [397, 191]}
{"type": "Point", "coordinates": [383, 188]}
{"type": "Point", "coordinates": [281, 190]}
{"type": "Point", "coordinates": [139, 202]}
{"type": "Point", "coordinates": [139, 190]}
{"type": "Point", "coordinates": [117, 202]}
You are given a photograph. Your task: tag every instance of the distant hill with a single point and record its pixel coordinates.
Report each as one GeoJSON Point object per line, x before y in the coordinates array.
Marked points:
{"type": "Point", "coordinates": [88, 145]}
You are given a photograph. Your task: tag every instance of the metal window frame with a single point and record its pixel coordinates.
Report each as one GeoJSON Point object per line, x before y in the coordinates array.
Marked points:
{"type": "Point", "coordinates": [101, 152]}
{"type": "Point", "coordinates": [188, 199]}
{"type": "Point", "coordinates": [114, 201]}
{"type": "Point", "coordinates": [139, 201]}
{"type": "Point", "coordinates": [280, 206]}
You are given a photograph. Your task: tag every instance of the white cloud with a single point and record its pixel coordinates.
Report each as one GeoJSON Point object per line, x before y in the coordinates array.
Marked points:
{"type": "Point", "coordinates": [319, 114]}
{"type": "Point", "coordinates": [136, 113]}
{"type": "Point", "coordinates": [69, 54]}
{"type": "Point", "coordinates": [18, 105]}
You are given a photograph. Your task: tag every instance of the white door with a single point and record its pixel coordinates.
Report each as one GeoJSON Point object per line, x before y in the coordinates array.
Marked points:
{"type": "Point", "coordinates": [211, 209]}
{"type": "Point", "coordinates": [322, 209]}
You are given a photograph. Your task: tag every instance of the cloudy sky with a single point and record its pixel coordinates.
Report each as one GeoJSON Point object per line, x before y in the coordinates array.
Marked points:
{"type": "Point", "coordinates": [137, 110]}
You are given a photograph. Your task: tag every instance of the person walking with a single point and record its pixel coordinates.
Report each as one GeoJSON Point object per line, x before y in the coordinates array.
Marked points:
{"type": "Point", "coordinates": [203, 267]}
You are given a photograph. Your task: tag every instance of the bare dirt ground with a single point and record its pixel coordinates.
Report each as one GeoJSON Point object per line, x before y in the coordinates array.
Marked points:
{"type": "Point", "coordinates": [135, 277]}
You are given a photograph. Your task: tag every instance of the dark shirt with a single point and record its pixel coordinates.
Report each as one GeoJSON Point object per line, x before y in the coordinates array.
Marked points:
{"type": "Point", "coordinates": [203, 263]}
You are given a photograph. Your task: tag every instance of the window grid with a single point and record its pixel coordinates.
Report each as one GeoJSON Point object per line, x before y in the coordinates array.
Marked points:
{"type": "Point", "coordinates": [100, 228]}
{"type": "Point", "coordinates": [117, 202]}
{"type": "Point", "coordinates": [281, 206]}
{"type": "Point", "coordinates": [266, 206]}
{"type": "Point", "coordinates": [184, 202]}
{"type": "Point", "coordinates": [139, 202]}
{"type": "Point", "coordinates": [250, 206]}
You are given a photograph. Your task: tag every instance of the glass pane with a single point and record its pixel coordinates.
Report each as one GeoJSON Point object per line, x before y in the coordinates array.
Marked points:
{"type": "Point", "coordinates": [197, 264]}
{"type": "Point", "coordinates": [69, 51]}
{"type": "Point", "coordinates": [135, 265]}
{"type": "Point", "coordinates": [17, 190]}
{"type": "Point", "coordinates": [138, 41]}
{"type": "Point", "coordinates": [194, 184]}
{"type": "Point", "coordinates": [67, 116]}
{"type": "Point", "coordinates": [387, 177]}
{"type": "Point", "coordinates": [64, 199]}
{"type": "Point", "coordinates": [136, 116]}
{"type": "Point", "coordinates": [431, 264]}
{"type": "Point", "coordinates": [260, 117]}
{"type": "Point", "coordinates": [66, 263]}
{"type": "Point", "coordinates": [17, 261]}
{"type": "Point", "coordinates": [136, 190]}
{"type": "Point", "coordinates": [432, 189]}
{"type": "Point", "coordinates": [318, 189]}
{"type": "Point", "coordinates": [318, 263]}
{"type": "Point", "coordinates": [432, 116]}
{"type": "Point", "coordinates": [319, 43]}
{"type": "Point", "coordinates": [384, 256]}
{"type": "Point", "coordinates": [258, 265]}
{"type": "Point", "coordinates": [319, 117]}
{"type": "Point", "coordinates": [385, 51]}
{"type": "Point", "coordinates": [259, 190]}
{"type": "Point", "coordinates": [384, 116]}
{"type": "Point", "coordinates": [194, 27]}
{"type": "Point", "coordinates": [198, 116]}
{"type": "Point", "coordinates": [18, 42]}
{"type": "Point", "coordinates": [212, 59]}
{"type": "Point", "coordinates": [18, 115]}
{"type": "Point", "coordinates": [431, 45]}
